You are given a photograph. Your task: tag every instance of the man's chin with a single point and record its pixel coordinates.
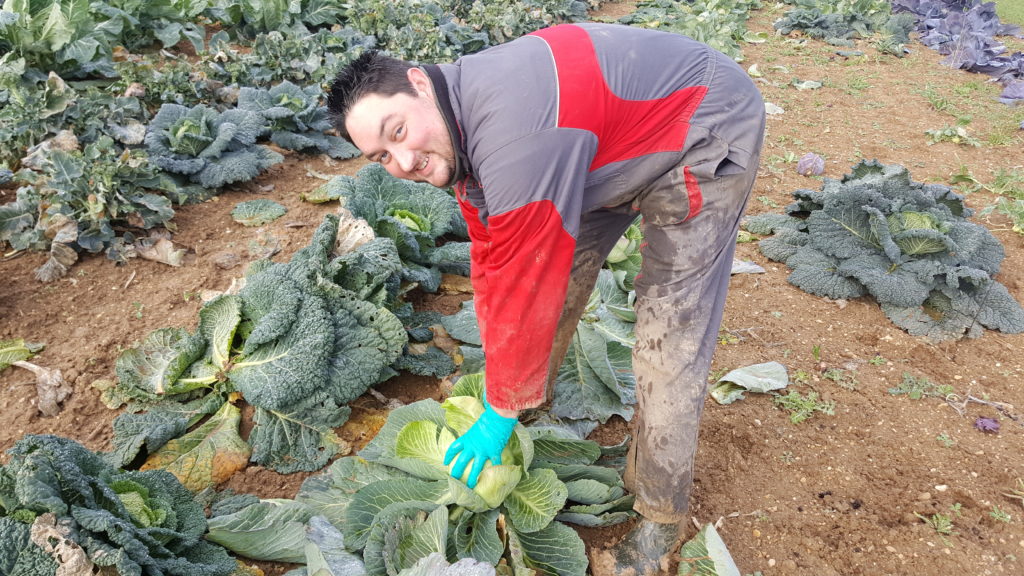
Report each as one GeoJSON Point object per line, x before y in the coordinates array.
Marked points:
{"type": "Point", "coordinates": [440, 179]}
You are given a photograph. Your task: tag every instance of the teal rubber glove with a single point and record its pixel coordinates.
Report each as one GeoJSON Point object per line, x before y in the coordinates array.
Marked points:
{"type": "Point", "coordinates": [484, 441]}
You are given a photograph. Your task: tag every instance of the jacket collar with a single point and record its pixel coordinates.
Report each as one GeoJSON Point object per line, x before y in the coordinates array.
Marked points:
{"type": "Point", "coordinates": [458, 137]}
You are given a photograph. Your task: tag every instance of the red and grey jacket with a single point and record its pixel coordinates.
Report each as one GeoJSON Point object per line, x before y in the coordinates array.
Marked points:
{"type": "Point", "coordinates": [547, 127]}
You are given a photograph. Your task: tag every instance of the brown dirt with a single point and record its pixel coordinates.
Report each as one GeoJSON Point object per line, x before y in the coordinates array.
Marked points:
{"type": "Point", "coordinates": [840, 494]}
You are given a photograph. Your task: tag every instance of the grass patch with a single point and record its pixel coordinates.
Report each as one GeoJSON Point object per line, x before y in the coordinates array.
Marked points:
{"type": "Point", "coordinates": [968, 89]}
{"type": "Point", "coordinates": [857, 84]}
{"type": "Point", "coordinates": [1000, 515]}
{"type": "Point", "coordinates": [946, 440]}
{"type": "Point", "coordinates": [841, 378]}
{"type": "Point", "coordinates": [1010, 12]}
{"type": "Point", "coordinates": [941, 523]}
{"type": "Point", "coordinates": [1014, 210]}
{"type": "Point", "coordinates": [937, 100]}
{"type": "Point", "coordinates": [802, 407]}
{"type": "Point", "coordinates": [917, 388]}
{"type": "Point", "coordinates": [1007, 183]}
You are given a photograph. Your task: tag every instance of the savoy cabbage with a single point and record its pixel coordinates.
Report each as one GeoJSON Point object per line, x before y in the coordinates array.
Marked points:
{"type": "Point", "coordinates": [838, 22]}
{"type": "Point", "coordinates": [212, 148]}
{"type": "Point", "coordinates": [721, 24]}
{"type": "Point", "coordinates": [414, 215]}
{"type": "Point", "coordinates": [395, 504]}
{"type": "Point", "coordinates": [295, 342]}
{"type": "Point", "coordinates": [296, 120]}
{"type": "Point", "coordinates": [515, 511]}
{"type": "Point", "coordinates": [909, 245]}
{"type": "Point", "coordinates": [835, 20]}
{"type": "Point", "coordinates": [105, 518]}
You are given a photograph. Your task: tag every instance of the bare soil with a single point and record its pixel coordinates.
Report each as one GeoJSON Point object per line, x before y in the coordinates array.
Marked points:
{"type": "Point", "coordinates": [837, 494]}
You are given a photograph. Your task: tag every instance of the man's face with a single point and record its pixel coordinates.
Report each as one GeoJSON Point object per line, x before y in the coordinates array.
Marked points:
{"type": "Point", "coordinates": [405, 134]}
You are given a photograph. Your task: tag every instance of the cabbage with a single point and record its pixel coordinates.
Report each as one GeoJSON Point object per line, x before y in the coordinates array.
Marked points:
{"type": "Point", "coordinates": [395, 506]}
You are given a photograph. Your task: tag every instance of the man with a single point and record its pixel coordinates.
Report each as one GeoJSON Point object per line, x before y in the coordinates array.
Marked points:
{"type": "Point", "coordinates": [554, 143]}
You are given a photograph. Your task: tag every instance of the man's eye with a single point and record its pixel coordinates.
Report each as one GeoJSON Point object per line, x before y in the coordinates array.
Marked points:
{"type": "Point", "coordinates": [382, 158]}
{"type": "Point", "coordinates": [399, 131]}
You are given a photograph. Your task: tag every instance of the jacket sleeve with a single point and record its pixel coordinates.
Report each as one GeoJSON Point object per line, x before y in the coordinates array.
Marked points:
{"type": "Point", "coordinates": [522, 257]}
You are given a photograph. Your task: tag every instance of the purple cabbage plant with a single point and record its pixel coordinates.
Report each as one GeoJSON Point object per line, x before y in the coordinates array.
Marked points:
{"type": "Point", "coordinates": [987, 424]}
{"type": "Point", "coordinates": [1013, 92]}
{"type": "Point", "coordinates": [965, 31]}
{"type": "Point", "coordinates": [810, 164]}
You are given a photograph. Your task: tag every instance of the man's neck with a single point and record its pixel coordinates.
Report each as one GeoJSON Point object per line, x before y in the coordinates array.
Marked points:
{"type": "Point", "coordinates": [443, 98]}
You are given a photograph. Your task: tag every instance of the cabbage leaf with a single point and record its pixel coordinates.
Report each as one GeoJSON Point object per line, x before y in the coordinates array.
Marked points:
{"type": "Point", "coordinates": [271, 530]}
{"type": "Point", "coordinates": [257, 212]}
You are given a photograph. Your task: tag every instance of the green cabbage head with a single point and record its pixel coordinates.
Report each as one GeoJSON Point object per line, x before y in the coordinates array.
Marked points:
{"type": "Point", "coordinates": [396, 502]}
{"type": "Point", "coordinates": [426, 441]}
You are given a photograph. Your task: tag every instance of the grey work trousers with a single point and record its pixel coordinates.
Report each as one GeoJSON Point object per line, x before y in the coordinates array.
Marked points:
{"type": "Point", "coordinates": [681, 291]}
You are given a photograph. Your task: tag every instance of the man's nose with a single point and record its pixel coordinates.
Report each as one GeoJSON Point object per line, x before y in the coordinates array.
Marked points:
{"type": "Point", "coordinates": [406, 160]}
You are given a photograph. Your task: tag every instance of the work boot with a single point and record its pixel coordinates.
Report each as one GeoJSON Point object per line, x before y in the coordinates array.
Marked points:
{"type": "Point", "coordinates": [646, 550]}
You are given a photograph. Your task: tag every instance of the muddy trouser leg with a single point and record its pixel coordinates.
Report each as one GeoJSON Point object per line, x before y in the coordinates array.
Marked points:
{"type": "Point", "coordinates": [681, 294]}
{"type": "Point", "coordinates": [599, 230]}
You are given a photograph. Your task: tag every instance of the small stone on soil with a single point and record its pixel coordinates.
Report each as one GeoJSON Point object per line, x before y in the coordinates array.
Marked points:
{"type": "Point", "coordinates": [226, 260]}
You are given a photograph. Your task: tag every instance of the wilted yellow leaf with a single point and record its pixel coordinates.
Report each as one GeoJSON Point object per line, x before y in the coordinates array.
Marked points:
{"type": "Point", "coordinates": [208, 455]}
{"type": "Point", "coordinates": [247, 569]}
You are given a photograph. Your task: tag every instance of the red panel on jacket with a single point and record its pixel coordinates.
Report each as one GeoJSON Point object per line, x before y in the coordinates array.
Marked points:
{"type": "Point", "coordinates": [625, 128]}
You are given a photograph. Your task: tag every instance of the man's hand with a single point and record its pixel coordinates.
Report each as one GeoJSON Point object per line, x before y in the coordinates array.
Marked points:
{"type": "Point", "coordinates": [484, 441]}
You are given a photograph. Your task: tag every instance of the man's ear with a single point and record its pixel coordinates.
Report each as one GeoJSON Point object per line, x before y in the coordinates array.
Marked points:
{"type": "Point", "coordinates": [419, 80]}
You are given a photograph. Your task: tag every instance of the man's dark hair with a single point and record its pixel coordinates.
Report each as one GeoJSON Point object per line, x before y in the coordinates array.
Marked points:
{"type": "Point", "coordinates": [370, 73]}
